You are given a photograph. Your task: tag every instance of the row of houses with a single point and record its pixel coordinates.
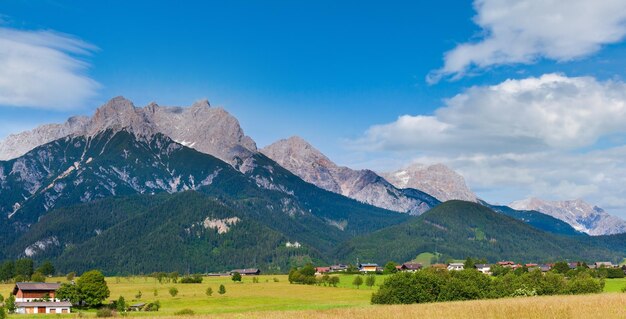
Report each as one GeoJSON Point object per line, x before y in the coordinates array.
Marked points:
{"type": "Point", "coordinates": [483, 268]}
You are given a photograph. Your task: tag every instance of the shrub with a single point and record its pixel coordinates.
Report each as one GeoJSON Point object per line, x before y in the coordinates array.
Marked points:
{"type": "Point", "coordinates": [221, 290]}
{"type": "Point", "coordinates": [624, 289]}
{"type": "Point", "coordinates": [209, 291]}
{"type": "Point", "coordinates": [358, 281]}
{"type": "Point", "coordinates": [173, 291]}
{"type": "Point", "coordinates": [276, 279]}
{"type": "Point", "coordinates": [104, 313]}
{"type": "Point", "coordinates": [193, 279]}
{"type": "Point", "coordinates": [584, 284]}
{"type": "Point", "coordinates": [153, 306]}
{"type": "Point", "coordinates": [3, 313]}
{"type": "Point", "coordinates": [138, 295]}
{"type": "Point", "coordinates": [236, 277]}
{"type": "Point", "coordinates": [255, 280]}
{"type": "Point", "coordinates": [184, 312]}
{"type": "Point", "coordinates": [524, 292]}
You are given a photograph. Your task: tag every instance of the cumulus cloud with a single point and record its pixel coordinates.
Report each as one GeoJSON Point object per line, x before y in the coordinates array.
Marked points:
{"type": "Point", "coordinates": [540, 136]}
{"type": "Point", "coordinates": [44, 69]}
{"type": "Point", "coordinates": [525, 31]}
{"type": "Point", "coordinates": [533, 114]}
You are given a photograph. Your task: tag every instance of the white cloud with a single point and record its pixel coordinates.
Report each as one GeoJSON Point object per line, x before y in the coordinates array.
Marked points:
{"type": "Point", "coordinates": [544, 137]}
{"type": "Point", "coordinates": [549, 112]}
{"type": "Point", "coordinates": [44, 69]}
{"type": "Point", "coordinates": [524, 31]}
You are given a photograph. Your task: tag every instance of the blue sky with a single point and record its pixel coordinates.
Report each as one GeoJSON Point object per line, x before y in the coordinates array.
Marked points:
{"type": "Point", "coordinates": [342, 75]}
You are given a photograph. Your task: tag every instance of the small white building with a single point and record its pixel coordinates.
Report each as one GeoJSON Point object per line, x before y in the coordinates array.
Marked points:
{"type": "Point", "coordinates": [456, 266]}
{"type": "Point", "coordinates": [484, 268]}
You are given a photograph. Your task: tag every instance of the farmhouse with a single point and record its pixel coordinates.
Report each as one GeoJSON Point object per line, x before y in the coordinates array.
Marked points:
{"type": "Point", "coordinates": [321, 270]}
{"type": "Point", "coordinates": [338, 267]}
{"type": "Point", "coordinates": [38, 297]}
{"type": "Point", "coordinates": [411, 267]}
{"type": "Point", "coordinates": [368, 267]}
{"type": "Point", "coordinates": [246, 271]}
{"type": "Point", "coordinates": [603, 264]}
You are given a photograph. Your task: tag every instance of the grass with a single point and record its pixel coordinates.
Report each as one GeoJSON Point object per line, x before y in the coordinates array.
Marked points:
{"type": "Point", "coordinates": [425, 259]}
{"type": "Point", "coordinates": [270, 299]}
{"type": "Point", "coordinates": [614, 285]}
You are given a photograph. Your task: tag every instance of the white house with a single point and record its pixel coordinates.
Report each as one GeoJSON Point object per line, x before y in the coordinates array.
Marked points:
{"type": "Point", "coordinates": [456, 266]}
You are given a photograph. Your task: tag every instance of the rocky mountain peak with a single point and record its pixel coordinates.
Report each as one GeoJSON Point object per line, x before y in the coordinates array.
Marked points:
{"type": "Point", "coordinates": [204, 103]}
{"type": "Point", "coordinates": [209, 130]}
{"type": "Point", "coordinates": [308, 163]}
{"type": "Point", "coordinates": [437, 180]}
{"type": "Point", "coordinates": [581, 215]}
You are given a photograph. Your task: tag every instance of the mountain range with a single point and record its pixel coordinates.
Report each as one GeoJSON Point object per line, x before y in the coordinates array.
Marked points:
{"type": "Point", "coordinates": [186, 184]}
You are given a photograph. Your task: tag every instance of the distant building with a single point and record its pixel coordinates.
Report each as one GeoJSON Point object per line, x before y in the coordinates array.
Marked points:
{"type": "Point", "coordinates": [456, 266]}
{"type": "Point", "coordinates": [411, 267]}
{"type": "Point", "coordinates": [38, 297]}
{"type": "Point", "coordinates": [506, 264]}
{"type": "Point", "coordinates": [321, 270]}
{"type": "Point", "coordinates": [484, 268]}
{"type": "Point", "coordinates": [246, 271]}
{"type": "Point", "coordinates": [338, 268]}
{"type": "Point", "coordinates": [603, 264]}
{"type": "Point", "coordinates": [545, 267]}
{"type": "Point", "coordinates": [369, 267]}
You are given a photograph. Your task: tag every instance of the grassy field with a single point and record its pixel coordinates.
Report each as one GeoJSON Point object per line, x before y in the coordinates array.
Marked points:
{"type": "Point", "coordinates": [270, 299]}
{"type": "Point", "coordinates": [614, 285]}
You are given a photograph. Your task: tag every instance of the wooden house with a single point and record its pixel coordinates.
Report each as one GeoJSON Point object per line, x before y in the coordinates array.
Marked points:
{"type": "Point", "coordinates": [38, 297]}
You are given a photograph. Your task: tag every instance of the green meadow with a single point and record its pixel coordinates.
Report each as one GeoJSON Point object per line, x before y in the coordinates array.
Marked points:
{"type": "Point", "coordinates": [272, 293]}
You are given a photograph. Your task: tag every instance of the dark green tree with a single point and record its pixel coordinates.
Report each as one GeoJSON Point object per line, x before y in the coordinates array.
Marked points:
{"type": "Point", "coordinates": [10, 304]}
{"type": "Point", "coordinates": [69, 292]}
{"type": "Point", "coordinates": [7, 271]}
{"type": "Point", "coordinates": [358, 281]}
{"type": "Point", "coordinates": [390, 268]}
{"type": "Point", "coordinates": [24, 268]}
{"type": "Point", "coordinates": [37, 277]}
{"type": "Point", "coordinates": [93, 288]}
{"type": "Point", "coordinates": [561, 267]}
{"type": "Point", "coordinates": [121, 304]}
{"type": "Point", "coordinates": [70, 276]}
{"type": "Point", "coordinates": [47, 269]}
{"type": "Point", "coordinates": [236, 277]}
{"type": "Point", "coordinates": [221, 290]}
{"type": "Point", "coordinates": [3, 313]}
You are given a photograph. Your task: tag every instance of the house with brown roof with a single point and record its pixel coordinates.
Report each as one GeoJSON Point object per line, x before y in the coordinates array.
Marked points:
{"type": "Point", "coordinates": [322, 270]}
{"type": "Point", "coordinates": [411, 267]}
{"type": "Point", "coordinates": [38, 297]}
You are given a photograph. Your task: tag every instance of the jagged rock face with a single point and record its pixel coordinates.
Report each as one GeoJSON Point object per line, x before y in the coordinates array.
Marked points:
{"type": "Point", "coordinates": [579, 214]}
{"type": "Point", "coordinates": [84, 168]}
{"type": "Point", "coordinates": [302, 159]}
{"type": "Point", "coordinates": [209, 130]}
{"type": "Point", "coordinates": [16, 145]}
{"type": "Point", "coordinates": [437, 180]}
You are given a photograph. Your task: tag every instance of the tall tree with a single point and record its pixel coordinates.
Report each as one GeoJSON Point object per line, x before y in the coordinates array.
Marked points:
{"type": "Point", "coordinates": [46, 268]}
{"type": "Point", "coordinates": [93, 288]}
{"type": "Point", "coordinates": [24, 267]}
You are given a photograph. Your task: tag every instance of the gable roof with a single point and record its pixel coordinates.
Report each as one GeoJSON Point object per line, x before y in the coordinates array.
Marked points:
{"type": "Point", "coordinates": [37, 286]}
{"type": "Point", "coordinates": [43, 304]}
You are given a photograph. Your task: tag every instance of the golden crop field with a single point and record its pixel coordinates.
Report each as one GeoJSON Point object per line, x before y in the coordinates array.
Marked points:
{"type": "Point", "coordinates": [271, 299]}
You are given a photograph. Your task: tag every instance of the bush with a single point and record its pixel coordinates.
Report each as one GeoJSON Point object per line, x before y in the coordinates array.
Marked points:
{"type": "Point", "coordinates": [153, 306]}
{"type": "Point", "coordinates": [209, 291]}
{"type": "Point", "coordinates": [193, 279]}
{"type": "Point", "coordinates": [184, 312]}
{"type": "Point", "coordinates": [104, 313]}
{"type": "Point", "coordinates": [236, 277]}
{"type": "Point", "coordinates": [3, 313]}
{"type": "Point", "coordinates": [584, 284]}
{"type": "Point", "coordinates": [173, 291]}
{"type": "Point", "coordinates": [221, 290]}
{"type": "Point", "coordinates": [624, 289]}
{"type": "Point", "coordinates": [276, 279]}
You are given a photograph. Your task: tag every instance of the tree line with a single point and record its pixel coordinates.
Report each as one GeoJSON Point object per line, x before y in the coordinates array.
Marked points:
{"type": "Point", "coordinates": [434, 285]}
